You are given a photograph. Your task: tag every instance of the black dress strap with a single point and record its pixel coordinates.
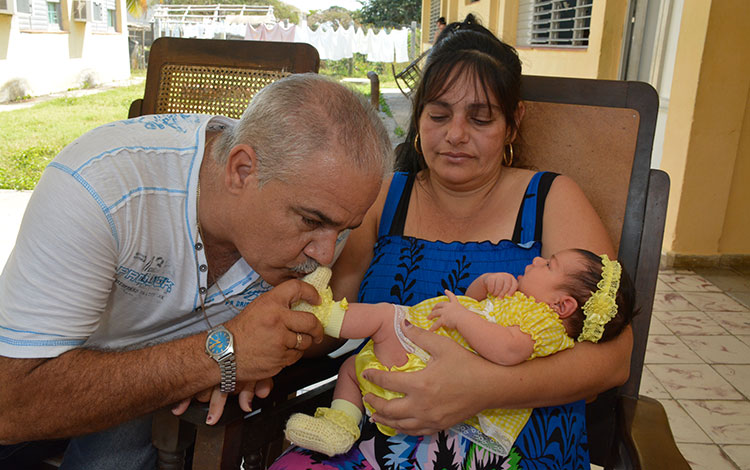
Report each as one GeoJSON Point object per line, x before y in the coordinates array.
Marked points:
{"type": "Point", "coordinates": [531, 213]}
{"type": "Point", "coordinates": [399, 214]}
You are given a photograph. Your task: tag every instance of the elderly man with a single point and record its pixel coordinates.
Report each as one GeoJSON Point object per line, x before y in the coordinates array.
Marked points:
{"type": "Point", "coordinates": [142, 273]}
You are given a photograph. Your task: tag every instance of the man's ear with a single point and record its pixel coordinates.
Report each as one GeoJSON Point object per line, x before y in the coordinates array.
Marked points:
{"type": "Point", "coordinates": [241, 168]}
{"type": "Point", "coordinates": [565, 306]}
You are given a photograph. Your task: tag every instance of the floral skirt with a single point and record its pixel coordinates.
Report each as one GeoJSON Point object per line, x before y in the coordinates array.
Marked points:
{"type": "Point", "coordinates": [553, 438]}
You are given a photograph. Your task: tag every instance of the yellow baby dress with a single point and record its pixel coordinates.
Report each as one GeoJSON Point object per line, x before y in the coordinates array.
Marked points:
{"type": "Point", "coordinates": [534, 318]}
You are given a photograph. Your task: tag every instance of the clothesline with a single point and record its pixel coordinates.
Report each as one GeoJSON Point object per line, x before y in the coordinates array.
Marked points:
{"type": "Point", "coordinates": [342, 43]}
{"type": "Point", "coordinates": [332, 44]}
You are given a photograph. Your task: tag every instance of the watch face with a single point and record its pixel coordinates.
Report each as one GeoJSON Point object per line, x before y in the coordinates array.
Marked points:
{"type": "Point", "coordinates": [218, 342]}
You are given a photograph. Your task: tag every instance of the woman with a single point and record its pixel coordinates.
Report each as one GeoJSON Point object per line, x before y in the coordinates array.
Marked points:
{"type": "Point", "coordinates": [462, 208]}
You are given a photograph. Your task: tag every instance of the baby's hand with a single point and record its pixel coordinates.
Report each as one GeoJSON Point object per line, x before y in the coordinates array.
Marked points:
{"type": "Point", "coordinates": [447, 314]}
{"type": "Point", "coordinates": [501, 284]}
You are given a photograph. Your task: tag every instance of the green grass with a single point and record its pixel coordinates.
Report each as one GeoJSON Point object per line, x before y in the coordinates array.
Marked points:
{"type": "Point", "coordinates": [33, 136]}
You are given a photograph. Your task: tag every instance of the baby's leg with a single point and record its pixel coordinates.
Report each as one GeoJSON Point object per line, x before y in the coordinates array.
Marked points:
{"type": "Point", "coordinates": [332, 430]}
{"type": "Point", "coordinates": [347, 386]}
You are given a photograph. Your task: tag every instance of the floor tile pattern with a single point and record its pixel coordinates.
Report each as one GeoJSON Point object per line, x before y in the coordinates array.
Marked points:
{"type": "Point", "coordinates": [698, 363]}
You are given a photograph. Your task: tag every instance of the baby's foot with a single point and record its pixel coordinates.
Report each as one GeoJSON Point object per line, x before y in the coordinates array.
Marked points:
{"type": "Point", "coordinates": [330, 432]}
{"type": "Point", "coordinates": [330, 313]}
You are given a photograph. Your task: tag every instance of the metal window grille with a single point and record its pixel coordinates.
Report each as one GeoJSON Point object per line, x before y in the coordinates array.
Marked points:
{"type": "Point", "coordinates": [54, 14]}
{"type": "Point", "coordinates": [434, 15]}
{"type": "Point", "coordinates": [554, 23]}
{"type": "Point", "coordinates": [23, 6]}
{"type": "Point", "coordinates": [98, 12]}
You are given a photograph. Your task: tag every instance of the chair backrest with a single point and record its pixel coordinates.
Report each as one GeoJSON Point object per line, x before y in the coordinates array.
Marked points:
{"type": "Point", "coordinates": [600, 133]}
{"type": "Point", "coordinates": [215, 76]}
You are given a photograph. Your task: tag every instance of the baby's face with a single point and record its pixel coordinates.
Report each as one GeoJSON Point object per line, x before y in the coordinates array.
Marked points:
{"type": "Point", "coordinates": [543, 277]}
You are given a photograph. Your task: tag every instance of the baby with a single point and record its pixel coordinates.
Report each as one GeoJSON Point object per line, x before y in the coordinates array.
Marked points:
{"type": "Point", "coordinates": [573, 294]}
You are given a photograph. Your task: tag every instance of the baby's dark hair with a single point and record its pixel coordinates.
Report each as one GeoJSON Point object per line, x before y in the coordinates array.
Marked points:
{"type": "Point", "coordinates": [584, 284]}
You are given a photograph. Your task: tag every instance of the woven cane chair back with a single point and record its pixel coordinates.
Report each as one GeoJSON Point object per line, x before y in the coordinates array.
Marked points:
{"type": "Point", "coordinates": [209, 76]}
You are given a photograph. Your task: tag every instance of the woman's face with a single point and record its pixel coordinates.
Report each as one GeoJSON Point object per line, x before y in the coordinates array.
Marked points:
{"type": "Point", "coordinates": [462, 135]}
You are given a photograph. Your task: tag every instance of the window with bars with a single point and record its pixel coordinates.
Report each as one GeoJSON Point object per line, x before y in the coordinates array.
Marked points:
{"type": "Point", "coordinates": [554, 23]}
{"type": "Point", "coordinates": [434, 15]}
{"type": "Point", "coordinates": [54, 15]}
{"type": "Point", "coordinates": [23, 6]}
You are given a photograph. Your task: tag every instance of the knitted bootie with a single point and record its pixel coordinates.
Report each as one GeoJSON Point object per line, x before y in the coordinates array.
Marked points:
{"type": "Point", "coordinates": [330, 432]}
{"type": "Point", "coordinates": [329, 312]}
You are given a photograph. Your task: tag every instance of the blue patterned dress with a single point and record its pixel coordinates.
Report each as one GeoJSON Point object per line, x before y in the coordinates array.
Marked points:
{"type": "Point", "coordinates": [407, 270]}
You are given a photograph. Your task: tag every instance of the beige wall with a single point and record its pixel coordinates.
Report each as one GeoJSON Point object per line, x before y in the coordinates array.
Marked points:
{"type": "Point", "coordinates": [39, 63]}
{"type": "Point", "coordinates": [600, 60]}
{"type": "Point", "coordinates": [707, 137]}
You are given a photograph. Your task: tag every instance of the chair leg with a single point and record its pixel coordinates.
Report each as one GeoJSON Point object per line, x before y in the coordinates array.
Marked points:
{"type": "Point", "coordinates": [171, 436]}
{"type": "Point", "coordinates": [218, 447]}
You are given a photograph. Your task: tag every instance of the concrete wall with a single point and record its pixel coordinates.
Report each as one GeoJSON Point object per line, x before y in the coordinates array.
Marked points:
{"type": "Point", "coordinates": [707, 136]}
{"type": "Point", "coordinates": [600, 60]}
{"type": "Point", "coordinates": [36, 62]}
{"type": "Point", "coordinates": [706, 133]}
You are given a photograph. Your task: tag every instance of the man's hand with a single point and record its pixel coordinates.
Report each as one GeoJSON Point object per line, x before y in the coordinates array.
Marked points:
{"type": "Point", "coordinates": [269, 336]}
{"type": "Point", "coordinates": [500, 284]}
{"type": "Point", "coordinates": [448, 314]}
{"type": "Point", "coordinates": [436, 397]}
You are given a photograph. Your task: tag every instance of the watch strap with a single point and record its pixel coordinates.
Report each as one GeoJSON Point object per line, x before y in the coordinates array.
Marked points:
{"type": "Point", "coordinates": [228, 367]}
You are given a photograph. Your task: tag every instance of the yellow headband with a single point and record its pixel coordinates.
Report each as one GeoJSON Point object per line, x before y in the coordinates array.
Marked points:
{"type": "Point", "coordinates": [601, 306]}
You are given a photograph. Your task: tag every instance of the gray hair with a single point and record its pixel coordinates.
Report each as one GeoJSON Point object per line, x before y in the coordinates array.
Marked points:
{"type": "Point", "coordinates": [306, 114]}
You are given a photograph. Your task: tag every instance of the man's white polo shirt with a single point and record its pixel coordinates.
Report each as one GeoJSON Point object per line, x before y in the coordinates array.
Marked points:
{"type": "Point", "coordinates": [107, 255]}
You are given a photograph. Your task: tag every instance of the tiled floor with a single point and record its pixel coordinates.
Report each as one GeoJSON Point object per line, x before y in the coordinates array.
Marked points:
{"type": "Point", "coordinates": [698, 364]}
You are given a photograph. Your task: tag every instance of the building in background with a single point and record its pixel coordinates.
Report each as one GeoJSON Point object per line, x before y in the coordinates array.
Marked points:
{"type": "Point", "coordinates": [695, 54]}
{"type": "Point", "coordinates": [48, 46]}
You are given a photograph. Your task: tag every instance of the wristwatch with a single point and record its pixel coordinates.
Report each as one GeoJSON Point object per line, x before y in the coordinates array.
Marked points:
{"type": "Point", "coordinates": [220, 346]}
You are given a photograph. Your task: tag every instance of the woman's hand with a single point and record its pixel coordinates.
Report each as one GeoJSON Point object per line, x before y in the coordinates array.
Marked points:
{"type": "Point", "coordinates": [218, 399]}
{"type": "Point", "coordinates": [436, 397]}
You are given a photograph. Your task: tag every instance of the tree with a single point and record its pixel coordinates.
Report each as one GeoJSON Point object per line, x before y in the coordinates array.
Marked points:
{"type": "Point", "coordinates": [390, 13]}
{"type": "Point", "coordinates": [136, 7]}
{"type": "Point", "coordinates": [334, 15]}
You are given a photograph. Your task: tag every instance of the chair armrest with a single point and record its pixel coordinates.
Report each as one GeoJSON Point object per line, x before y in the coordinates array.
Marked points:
{"type": "Point", "coordinates": [135, 108]}
{"type": "Point", "coordinates": [302, 374]}
{"type": "Point", "coordinates": [237, 433]}
{"type": "Point", "coordinates": [645, 430]}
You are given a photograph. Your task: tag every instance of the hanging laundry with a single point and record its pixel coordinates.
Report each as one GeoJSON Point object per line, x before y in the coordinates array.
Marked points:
{"type": "Point", "coordinates": [342, 43]}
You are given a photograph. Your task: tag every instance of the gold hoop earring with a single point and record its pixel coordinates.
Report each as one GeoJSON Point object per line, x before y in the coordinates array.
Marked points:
{"type": "Point", "coordinates": [508, 161]}
{"type": "Point", "coordinates": [416, 145]}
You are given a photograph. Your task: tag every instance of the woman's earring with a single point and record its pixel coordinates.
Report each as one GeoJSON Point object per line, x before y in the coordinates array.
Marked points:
{"type": "Point", "coordinates": [416, 144]}
{"type": "Point", "coordinates": [508, 161]}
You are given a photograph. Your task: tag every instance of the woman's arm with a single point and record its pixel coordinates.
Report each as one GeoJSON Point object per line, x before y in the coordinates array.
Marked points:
{"type": "Point", "coordinates": [570, 221]}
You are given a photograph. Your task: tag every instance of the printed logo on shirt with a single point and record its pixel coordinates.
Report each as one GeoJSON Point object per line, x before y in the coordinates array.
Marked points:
{"type": "Point", "coordinates": [151, 276]}
{"type": "Point", "coordinates": [243, 299]}
{"type": "Point", "coordinates": [156, 122]}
